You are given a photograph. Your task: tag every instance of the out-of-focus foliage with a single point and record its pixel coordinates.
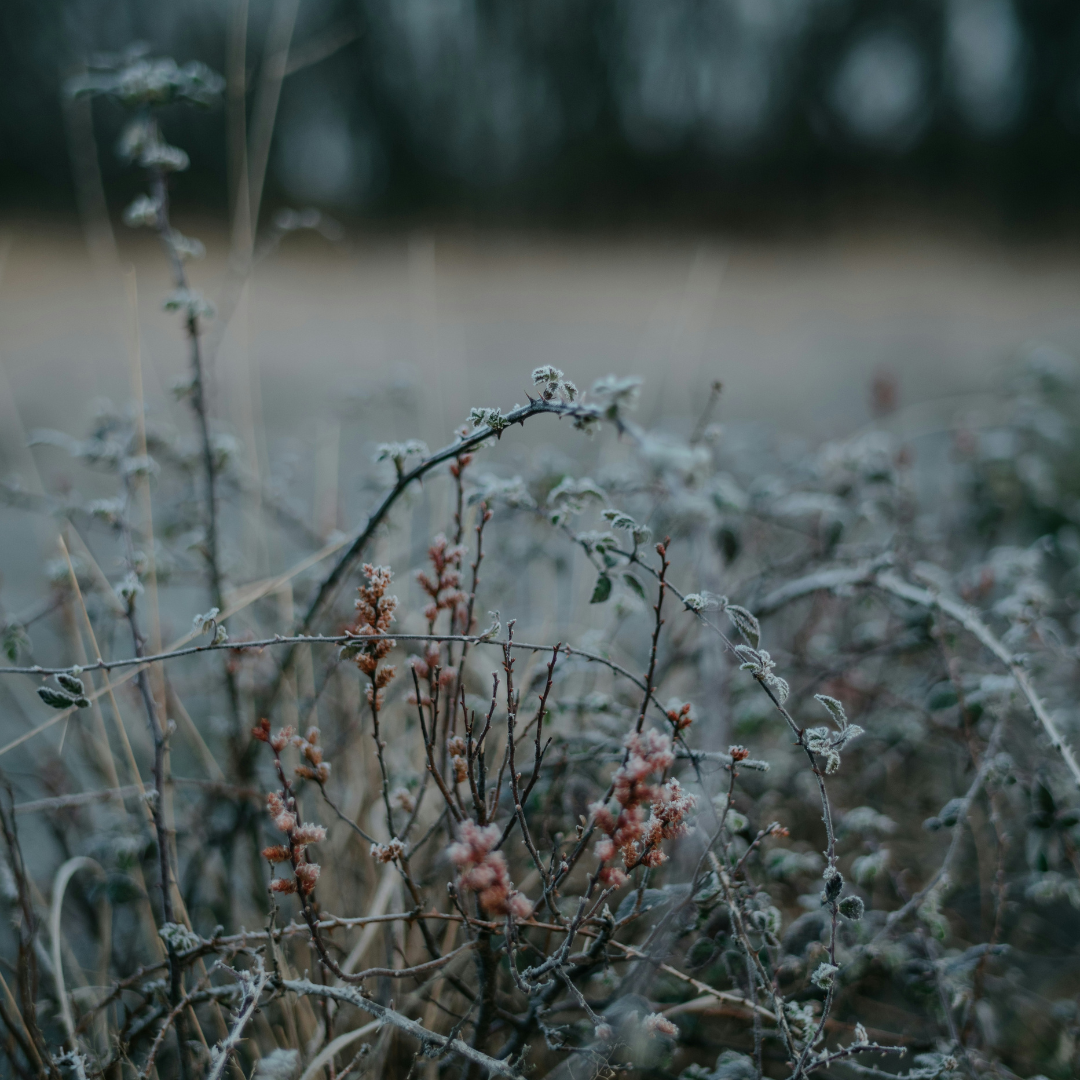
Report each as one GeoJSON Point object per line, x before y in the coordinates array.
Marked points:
{"type": "Point", "coordinates": [761, 761]}
{"type": "Point", "coordinates": [596, 108]}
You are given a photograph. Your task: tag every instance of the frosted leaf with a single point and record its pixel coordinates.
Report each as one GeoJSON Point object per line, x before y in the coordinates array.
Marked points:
{"type": "Point", "coordinates": [867, 867]}
{"type": "Point", "coordinates": [569, 495]}
{"type": "Point", "coordinates": [178, 937]}
{"type": "Point", "coordinates": [852, 907]}
{"type": "Point", "coordinates": [129, 588]}
{"type": "Point", "coordinates": [745, 623]}
{"type": "Point", "coordinates": [490, 418]}
{"type": "Point", "coordinates": [190, 302]}
{"type": "Point", "coordinates": [202, 624]}
{"type": "Point", "coordinates": [72, 684]}
{"type": "Point", "coordinates": [187, 247]}
{"type": "Point", "coordinates": [142, 213]}
{"type": "Point", "coordinates": [554, 385]}
{"type": "Point", "coordinates": [836, 709]}
{"type": "Point", "coordinates": [614, 392]}
{"type": "Point", "coordinates": [512, 492]}
{"type": "Point", "coordinates": [865, 819]}
{"type": "Point", "coordinates": [159, 155]}
{"type": "Point", "coordinates": [56, 699]}
{"type": "Point", "coordinates": [400, 452]}
{"type": "Point", "coordinates": [703, 601]}
{"type": "Point", "coordinates": [278, 1065]}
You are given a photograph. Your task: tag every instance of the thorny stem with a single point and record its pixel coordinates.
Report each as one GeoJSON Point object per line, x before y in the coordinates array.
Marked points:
{"type": "Point", "coordinates": [483, 516]}
{"type": "Point", "coordinates": [160, 739]}
{"type": "Point", "coordinates": [658, 607]}
{"type": "Point", "coordinates": [160, 188]}
{"type": "Point", "coordinates": [350, 996]}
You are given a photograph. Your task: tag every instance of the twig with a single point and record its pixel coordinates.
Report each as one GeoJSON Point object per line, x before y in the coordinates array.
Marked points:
{"type": "Point", "coordinates": [349, 996]}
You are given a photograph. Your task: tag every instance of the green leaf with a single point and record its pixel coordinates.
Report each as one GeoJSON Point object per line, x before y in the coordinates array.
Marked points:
{"type": "Point", "coordinates": [701, 952]}
{"type": "Point", "coordinates": [635, 585]}
{"type": "Point", "coordinates": [602, 590]}
{"type": "Point", "coordinates": [56, 698]}
{"type": "Point", "coordinates": [15, 641]}
{"type": "Point", "coordinates": [71, 684]}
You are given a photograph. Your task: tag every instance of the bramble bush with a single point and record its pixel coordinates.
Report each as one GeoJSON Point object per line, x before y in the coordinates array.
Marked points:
{"type": "Point", "coordinates": [729, 760]}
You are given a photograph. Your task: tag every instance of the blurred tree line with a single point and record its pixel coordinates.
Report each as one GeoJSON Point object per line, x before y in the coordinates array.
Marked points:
{"type": "Point", "coordinates": [586, 111]}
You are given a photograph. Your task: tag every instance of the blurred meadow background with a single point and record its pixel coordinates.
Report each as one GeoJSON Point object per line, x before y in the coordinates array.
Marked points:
{"type": "Point", "coordinates": [859, 216]}
{"type": "Point", "coordinates": [796, 197]}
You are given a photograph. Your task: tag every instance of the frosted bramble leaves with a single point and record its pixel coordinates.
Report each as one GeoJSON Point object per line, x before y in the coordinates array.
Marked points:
{"type": "Point", "coordinates": [824, 975]}
{"type": "Point", "coordinates": [760, 664]}
{"type": "Point", "coordinates": [160, 155]}
{"type": "Point", "coordinates": [190, 302]}
{"type": "Point", "coordinates": [867, 867]}
{"type": "Point", "coordinates": [801, 1017]}
{"type": "Point", "coordinates": [600, 542]}
{"type": "Point", "coordinates": [620, 520]}
{"type": "Point", "coordinates": [152, 82]}
{"type": "Point", "coordinates": [731, 1065]}
{"type": "Point", "coordinates": [278, 1065]}
{"type": "Point", "coordinates": [129, 588]}
{"type": "Point", "coordinates": [186, 247]}
{"type": "Point", "coordinates": [61, 699]}
{"type": "Point", "coordinates": [865, 819]}
{"type": "Point", "coordinates": [554, 385]}
{"type": "Point", "coordinates": [137, 134]}
{"type": "Point", "coordinates": [836, 709]}
{"type": "Point", "coordinates": [745, 623]}
{"type": "Point", "coordinates": [614, 393]}
{"type": "Point", "coordinates": [400, 452]}
{"type": "Point", "coordinates": [570, 495]}
{"type": "Point", "coordinates": [829, 743]}
{"type": "Point", "coordinates": [703, 601]}
{"type": "Point", "coordinates": [203, 624]}
{"type": "Point", "coordinates": [14, 640]}
{"type": "Point", "coordinates": [72, 684]}
{"type": "Point", "coordinates": [512, 492]}
{"type": "Point", "coordinates": [785, 864]}
{"type": "Point", "coordinates": [142, 213]}
{"type": "Point", "coordinates": [178, 937]}
{"type": "Point", "coordinates": [602, 590]}
{"type": "Point", "coordinates": [852, 907]}
{"type": "Point", "coordinates": [490, 418]}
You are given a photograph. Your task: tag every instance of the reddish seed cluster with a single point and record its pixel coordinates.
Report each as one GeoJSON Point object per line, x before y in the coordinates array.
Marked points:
{"type": "Point", "coordinates": [655, 1024]}
{"type": "Point", "coordinates": [261, 731]}
{"type": "Point", "coordinates": [376, 613]}
{"type": "Point", "coordinates": [388, 852]}
{"type": "Point", "coordinates": [309, 748]}
{"type": "Point", "coordinates": [647, 754]}
{"type": "Point", "coordinates": [444, 588]}
{"type": "Point", "coordinates": [738, 753]}
{"type": "Point", "coordinates": [403, 799]}
{"type": "Point", "coordinates": [484, 872]}
{"type": "Point", "coordinates": [681, 716]}
{"type": "Point", "coordinates": [458, 758]}
{"type": "Point", "coordinates": [431, 661]}
{"type": "Point", "coordinates": [283, 813]}
{"type": "Point", "coordinates": [282, 809]}
{"type": "Point", "coordinates": [628, 833]}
